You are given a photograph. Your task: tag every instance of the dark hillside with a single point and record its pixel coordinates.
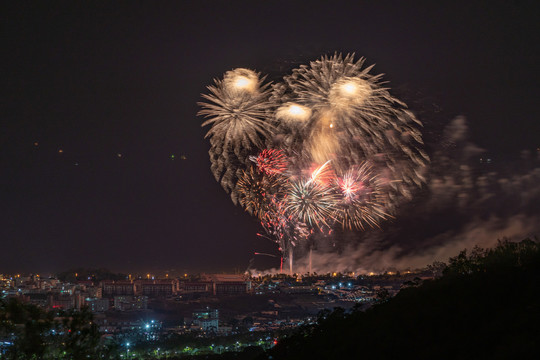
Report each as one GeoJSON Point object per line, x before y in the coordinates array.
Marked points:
{"type": "Point", "coordinates": [486, 305]}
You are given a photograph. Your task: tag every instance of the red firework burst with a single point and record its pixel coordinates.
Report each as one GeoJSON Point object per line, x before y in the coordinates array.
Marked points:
{"type": "Point", "coordinates": [272, 161]}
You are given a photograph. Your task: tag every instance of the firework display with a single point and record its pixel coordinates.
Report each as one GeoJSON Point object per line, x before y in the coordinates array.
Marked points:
{"type": "Point", "coordinates": [328, 147]}
{"type": "Point", "coordinates": [238, 114]}
{"type": "Point", "coordinates": [360, 201]}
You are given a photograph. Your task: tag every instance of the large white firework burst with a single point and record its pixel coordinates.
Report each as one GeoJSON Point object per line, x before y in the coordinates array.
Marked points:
{"type": "Point", "coordinates": [237, 110]}
{"type": "Point", "coordinates": [353, 119]}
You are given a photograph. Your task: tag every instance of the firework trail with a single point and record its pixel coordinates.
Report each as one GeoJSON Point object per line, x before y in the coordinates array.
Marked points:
{"type": "Point", "coordinates": [327, 147]}
{"type": "Point", "coordinates": [323, 174]}
{"type": "Point", "coordinates": [284, 229]}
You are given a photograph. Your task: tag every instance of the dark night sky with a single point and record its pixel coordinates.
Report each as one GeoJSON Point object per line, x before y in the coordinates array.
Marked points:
{"type": "Point", "coordinates": [97, 79]}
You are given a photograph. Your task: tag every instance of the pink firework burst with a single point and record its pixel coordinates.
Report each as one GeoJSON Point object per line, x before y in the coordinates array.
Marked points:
{"type": "Point", "coordinates": [350, 186]}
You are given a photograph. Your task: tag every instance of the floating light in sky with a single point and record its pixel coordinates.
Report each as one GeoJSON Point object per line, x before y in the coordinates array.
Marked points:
{"type": "Point", "coordinates": [296, 110]}
{"type": "Point", "coordinates": [349, 92]}
{"type": "Point", "coordinates": [349, 88]}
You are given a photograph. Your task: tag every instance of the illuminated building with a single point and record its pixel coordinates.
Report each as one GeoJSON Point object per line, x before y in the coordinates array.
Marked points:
{"type": "Point", "coordinates": [38, 298]}
{"type": "Point", "coordinates": [196, 287]}
{"type": "Point", "coordinates": [230, 288]}
{"type": "Point", "coordinates": [112, 288]}
{"type": "Point", "coordinates": [156, 288]}
{"type": "Point", "coordinates": [97, 305]}
{"type": "Point", "coordinates": [60, 301]}
{"type": "Point", "coordinates": [207, 320]}
{"type": "Point", "coordinates": [127, 303]}
{"type": "Point", "coordinates": [228, 284]}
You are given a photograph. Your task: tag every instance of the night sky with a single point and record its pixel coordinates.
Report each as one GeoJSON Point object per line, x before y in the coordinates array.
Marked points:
{"type": "Point", "coordinates": [97, 96]}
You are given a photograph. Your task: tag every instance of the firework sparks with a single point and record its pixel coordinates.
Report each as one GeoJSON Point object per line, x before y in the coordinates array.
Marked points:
{"type": "Point", "coordinates": [241, 81]}
{"type": "Point", "coordinates": [361, 200]}
{"type": "Point", "coordinates": [272, 161]}
{"type": "Point", "coordinates": [332, 116]}
{"type": "Point", "coordinates": [237, 110]}
{"type": "Point", "coordinates": [256, 191]}
{"type": "Point", "coordinates": [323, 174]}
{"type": "Point", "coordinates": [354, 119]}
{"type": "Point", "coordinates": [349, 92]}
{"type": "Point", "coordinates": [311, 202]}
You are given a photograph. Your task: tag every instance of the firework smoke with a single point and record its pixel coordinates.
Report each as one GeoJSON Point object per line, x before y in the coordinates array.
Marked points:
{"type": "Point", "coordinates": [466, 202]}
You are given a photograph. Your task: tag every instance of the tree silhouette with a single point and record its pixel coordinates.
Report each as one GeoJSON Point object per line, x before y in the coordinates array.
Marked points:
{"type": "Point", "coordinates": [486, 305]}
{"type": "Point", "coordinates": [37, 334]}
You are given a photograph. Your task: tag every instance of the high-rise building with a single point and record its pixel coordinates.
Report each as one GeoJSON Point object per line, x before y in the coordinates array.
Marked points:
{"type": "Point", "coordinates": [127, 303]}
{"type": "Point", "coordinates": [228, 284]}
{"type": "Point", "coordinates": [112, 288]}
{"type": "Point", "coordinates": [156, 288]}
{"type": "Point", "coordinates": [207, 319]}
{"type": "Point", "coordinates": [97, 305]}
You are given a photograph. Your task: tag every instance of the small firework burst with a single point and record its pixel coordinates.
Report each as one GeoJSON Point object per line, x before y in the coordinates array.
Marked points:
{"type": "Point", "coordinates": [349, 92]}
{"type": "Point", "coordinates": [311, 202]}
{"type": "Point", "coordinates": [272, 161]}
{"type": "Point", "coordinates": [286, 230]}
{"type": "Point", "coordinates": [256, 191]}
{"type": "Point", "coordinates": [241, 81]}
{"type": "Point", "coordinates": [361, 202]}
{"type": "Point", "coordinates": [355, 182]}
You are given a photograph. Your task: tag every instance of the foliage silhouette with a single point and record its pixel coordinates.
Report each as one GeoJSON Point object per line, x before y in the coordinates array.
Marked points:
{"type": "Point", "coordinates": [37, 334]}
{"type": "Point", "coordinates": [486, 305]}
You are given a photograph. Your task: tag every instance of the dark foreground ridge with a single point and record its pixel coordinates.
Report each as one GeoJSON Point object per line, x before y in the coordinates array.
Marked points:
{"type": "Point", "coordinates": [485, 306]}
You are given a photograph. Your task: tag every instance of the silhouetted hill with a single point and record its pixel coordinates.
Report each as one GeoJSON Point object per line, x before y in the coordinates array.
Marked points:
{"type": "Point", "coordinates": [485, 306]}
